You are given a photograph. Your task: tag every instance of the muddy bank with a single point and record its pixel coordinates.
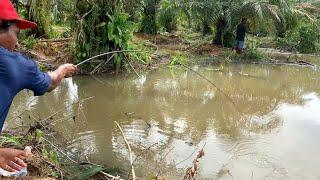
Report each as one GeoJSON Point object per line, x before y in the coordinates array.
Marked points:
{"type": "Point", "coordinates": [163, 49]}
{"type": "Point", "coordinates": [49, 157]}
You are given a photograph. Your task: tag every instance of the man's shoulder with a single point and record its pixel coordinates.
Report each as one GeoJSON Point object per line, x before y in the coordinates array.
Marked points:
{"type": "Point", "coordinates": [15, 67]}
{"type": "Point", "coordinates": [15, 58]}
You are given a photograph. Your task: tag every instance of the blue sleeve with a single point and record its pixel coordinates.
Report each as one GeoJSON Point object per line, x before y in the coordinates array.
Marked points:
{"type": "Point", "coordinates": [37, 81]}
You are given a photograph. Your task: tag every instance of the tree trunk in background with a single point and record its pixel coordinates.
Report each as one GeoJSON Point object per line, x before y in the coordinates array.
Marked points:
{"type": "Point", "coordinates": [39, 12]}
{"type": "Point", "coordinates": [221, 28]}
{"type": "Point", "coordinates": [206, 28]}
{"type": "Point", "coordinates": [224, 36]}
{"type": "Point", "coordinates": [149, 23]}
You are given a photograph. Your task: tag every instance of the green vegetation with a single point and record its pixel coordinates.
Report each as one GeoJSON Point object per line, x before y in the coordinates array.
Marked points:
{"type": "Point", "coordinates": [103, 26]}
{"type": "Point", "coordinates": [48, 159]}
{"type": "Point", "coordinates": [100, 28]}
{"type": "Point", "coordinates": [37, 11]}
{"type": "Point", "coordinates": [149, 23]}
{"type": "Point", "coordinates": [305, 40]}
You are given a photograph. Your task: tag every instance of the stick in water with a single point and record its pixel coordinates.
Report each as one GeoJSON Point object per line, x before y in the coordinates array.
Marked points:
{"type": "Point", "coordinates": [130, 152]}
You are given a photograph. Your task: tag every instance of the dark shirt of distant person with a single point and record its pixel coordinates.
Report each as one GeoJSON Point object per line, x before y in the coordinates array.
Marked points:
{"type": "Point", "coordinates": [242, 29]}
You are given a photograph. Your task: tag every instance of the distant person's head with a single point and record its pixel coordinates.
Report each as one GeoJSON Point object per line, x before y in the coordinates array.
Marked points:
{"type": "Point", "coordinates": [10, 25]}
{"type": "Point", "coordinates": [244, 20]}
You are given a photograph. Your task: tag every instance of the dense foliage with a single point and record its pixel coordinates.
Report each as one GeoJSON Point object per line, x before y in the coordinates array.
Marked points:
{"type": "Point", "coordinates": [99, 26]}
{"type": "Point", "coordinates": [149, 23]}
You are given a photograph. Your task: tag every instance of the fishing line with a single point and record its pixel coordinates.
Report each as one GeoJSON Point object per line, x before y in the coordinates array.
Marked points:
{"type": "Point", "coordinates": [187, 67]}
{"type": "Point", "coordinates": [220, 90]}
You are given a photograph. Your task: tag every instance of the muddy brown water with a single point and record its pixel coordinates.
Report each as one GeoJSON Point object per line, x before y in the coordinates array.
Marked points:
{"type": "Point", "coordinates": [170, 114]}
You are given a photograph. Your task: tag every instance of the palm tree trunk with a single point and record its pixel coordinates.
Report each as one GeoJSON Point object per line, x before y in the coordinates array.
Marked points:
{"type": "Point", "coordinates": [149, 24]}
{"type": "Point", "coordinates": [38, 12]}
{"type": "Point", "coordinates": [221, 28]}
{"type": "Point", "coordinates": [206, 28]}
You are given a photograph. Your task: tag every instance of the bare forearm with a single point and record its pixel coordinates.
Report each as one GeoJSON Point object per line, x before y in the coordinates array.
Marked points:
{"type": "Point", "coordinates": [63, 71]}
{"type": "Point", "coordinates": [56, 77]}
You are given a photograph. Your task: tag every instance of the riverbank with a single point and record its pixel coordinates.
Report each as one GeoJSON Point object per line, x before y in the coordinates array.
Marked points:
{"type": "Point", "coordinates": [49, 159]}
{"type": "Point", "coordinates": [167, 49]}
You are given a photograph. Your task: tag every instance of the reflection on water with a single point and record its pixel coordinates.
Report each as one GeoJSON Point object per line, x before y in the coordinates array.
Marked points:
{"type": "Point", "coordinates": [168, 115]}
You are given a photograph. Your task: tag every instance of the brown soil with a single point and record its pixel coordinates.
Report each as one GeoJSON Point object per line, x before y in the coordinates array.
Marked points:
{"type": "Point", "coordinates": [54, 53]}
{"type": "Point", "coordinates": [57, 52]}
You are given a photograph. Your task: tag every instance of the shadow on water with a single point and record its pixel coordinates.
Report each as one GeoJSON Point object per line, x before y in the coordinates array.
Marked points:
{"type": "Point", "coordinates": [168, 114]}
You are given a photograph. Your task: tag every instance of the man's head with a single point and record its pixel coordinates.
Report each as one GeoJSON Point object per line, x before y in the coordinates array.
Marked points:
{"type": "Point", "coordinates": [10, 25]}
{"type": "Point", "coordinates": [9, 34]}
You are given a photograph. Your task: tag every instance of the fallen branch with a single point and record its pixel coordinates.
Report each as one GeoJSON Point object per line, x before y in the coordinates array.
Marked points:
{"type": "Point", "coordinates": [299, 63]}
{"type": "Point", "coordinates": [56, 40]}
{"type": "Point", "coordinates": [75, 162]}
{"type": "Point", "coordinates": [98, 66]}
{"type": "Point", "coordinates": [110, 176]}
{"type": "Point", "coordinates": [38, 58]}
{"type": "Point", "coordinates": [130, 152]}
{"type": "Point", "coordinates": [192, 171]}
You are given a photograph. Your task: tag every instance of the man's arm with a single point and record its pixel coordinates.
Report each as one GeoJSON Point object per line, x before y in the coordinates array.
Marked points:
{"type": "Point", "coordinates": [63, 71]}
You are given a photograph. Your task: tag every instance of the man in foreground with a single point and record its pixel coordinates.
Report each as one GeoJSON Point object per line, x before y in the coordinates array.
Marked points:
{"type": "Point", "coordinates": [17, 73]}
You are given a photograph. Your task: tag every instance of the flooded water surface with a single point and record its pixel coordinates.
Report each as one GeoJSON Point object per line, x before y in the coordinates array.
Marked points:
{"type": "Point", "coordinates": [270, 130]}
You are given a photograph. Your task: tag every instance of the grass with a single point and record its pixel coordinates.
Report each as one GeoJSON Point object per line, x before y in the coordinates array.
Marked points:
{"type": "Point", "coordinates": [48, 161]}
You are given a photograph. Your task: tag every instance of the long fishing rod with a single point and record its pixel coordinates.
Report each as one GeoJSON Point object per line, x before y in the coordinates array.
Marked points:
{"type": "Point", "coordinates": [107, 53]}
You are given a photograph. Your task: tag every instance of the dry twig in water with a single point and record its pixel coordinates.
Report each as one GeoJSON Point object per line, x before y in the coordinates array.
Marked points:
{"type": "Point", "coordinates": [130, 152]}
{"type": "Point", "coordinates": [192, 171]}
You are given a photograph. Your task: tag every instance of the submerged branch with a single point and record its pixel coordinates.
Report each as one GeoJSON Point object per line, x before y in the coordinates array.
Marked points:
{"type": "Point", "coordinates": [130, 152]}
{"type": "Point", "coordinates": [192, 171]}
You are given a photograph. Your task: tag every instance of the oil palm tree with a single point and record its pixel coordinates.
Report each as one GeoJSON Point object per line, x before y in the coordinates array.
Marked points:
{"type": "Point", "coordinates": [226, 14]}
{"type": "Point", "coordinates": [149, 22]}
{"type": "Point", "coordinates": [168, 15]}
{"type": "Point", "coordinates": [100, 26]}
{"type": "Point", "coordinates": [37, 11]}
{"type": "Point", "coordinates": [62, 10]}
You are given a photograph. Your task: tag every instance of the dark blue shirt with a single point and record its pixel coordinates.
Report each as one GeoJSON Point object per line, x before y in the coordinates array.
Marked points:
{"type": "Point", "coordinates": [17, 72]}
{"type": "Point", "coordinates": [242, 29]}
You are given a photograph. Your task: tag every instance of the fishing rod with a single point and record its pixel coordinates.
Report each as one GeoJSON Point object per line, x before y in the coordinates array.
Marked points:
{"type": "Point", "coordinates": [107, 53]}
